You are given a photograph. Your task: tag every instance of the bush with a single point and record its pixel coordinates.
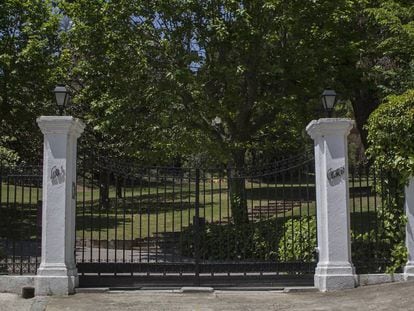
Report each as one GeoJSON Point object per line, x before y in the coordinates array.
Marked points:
{"type": "Point", "coordinates": [298, 242]}
{"type": "Point", "coordinates": [372, 252]}
{"type": "Point", "coordinates": [391, 147]}
{"type": "Point", "coordinates": [390, 135]}
{"type": "Point", "coordinates": [231, 242]}
{"type": "Point", "coordinates": [268, 240]}
{"type": "Point", "coordinates": [3, 266]}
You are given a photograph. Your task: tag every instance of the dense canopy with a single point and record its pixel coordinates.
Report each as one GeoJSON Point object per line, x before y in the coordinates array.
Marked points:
{"type": "Point", "coordinates": [219, 81]}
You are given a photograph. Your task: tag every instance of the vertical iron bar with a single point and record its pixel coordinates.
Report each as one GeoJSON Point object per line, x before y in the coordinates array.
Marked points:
{"type": "Point", "coordinates": [116, 219]}
{"type": "Point", "coordinates": [31, 218]}
{"type": "Point", "coordinates": [100, 178]}
{"type": "Point", "coordinates": [292, 208]}
{"type": "Point", "coordinates": [83, 207]}
{"type": "Point", "coordinates": [229, 194]}
{"type": "Point", "coordinates": [140, 203]}
{"type": "Point", "coordinates": [167, 240]}
{"type": "Point", "coordinates": [181, 216]}
{"type": "Point", "coordinates": [173, 214]}
{"type": "Point", "coordinates": [156, 215]}
{"type": "Point", "coordinates": [360, 169]}
{"type": "Point", "coordinates": [204, 194]}
{"type": "Point", "coordinates": [368, 195]}
{"type": "Point", "coordinates": [212, 195]}
{"type": "Point", "coordinates": [122, 192]}
{"type": "Point", "coordinates": [91, 213]}
{"type": "Point", "coordinates": [197, 227]}
{"type": "Point", "coordinates": [14, 229]}
{"type": "Point", "coordinates": [275, 245]}
{"type": "Point", "coordinates": [22, 214]}
{"type": "Point", "coordinates": [132, 207]}
{"type": "Point", "coordinates": [8, 212]}
{"type": "Point", "coordinates": [148, 216]}
{"type": "Point", "coordinates": [299, 183]}
{"type": "Point", "coordinates": [38, 228]}
{"type": "Point", "coordinates": [374, 187]}
{"type": "Point", "coordinates": [284, 213]}
{"type": "Point", "coordinates": [107, 206]}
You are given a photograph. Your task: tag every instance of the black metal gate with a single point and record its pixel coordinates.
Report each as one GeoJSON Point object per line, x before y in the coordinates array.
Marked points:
{"type": "Point", "coordinates": [176, 226]}
{"type": "Point", "coordinates": [20, 218]}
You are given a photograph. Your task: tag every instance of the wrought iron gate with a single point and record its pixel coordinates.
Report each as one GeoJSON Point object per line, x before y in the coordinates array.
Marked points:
{"type": "Point", "coordinates": [20, 218]}
{"type": "Point", "coordinates": [176, 226]}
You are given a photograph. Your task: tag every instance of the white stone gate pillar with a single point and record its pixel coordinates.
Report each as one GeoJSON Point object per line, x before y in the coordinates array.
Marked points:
{"type": "Point", "coordinates": [409, 230]}
{"type": "Point", "coordinates": [57, 274]}
{"type": "Point", "coordinates": [334, 270]}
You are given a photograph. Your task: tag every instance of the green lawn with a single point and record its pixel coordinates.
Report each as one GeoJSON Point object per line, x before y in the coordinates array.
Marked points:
{"type": "Point", "coordinates": [144, 211]}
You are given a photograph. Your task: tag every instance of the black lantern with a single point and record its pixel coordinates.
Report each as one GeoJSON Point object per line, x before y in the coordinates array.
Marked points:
{"type": "Point", "coordinates": [62, 97]}
{"type": "Point", "coordinates": [329, 101]}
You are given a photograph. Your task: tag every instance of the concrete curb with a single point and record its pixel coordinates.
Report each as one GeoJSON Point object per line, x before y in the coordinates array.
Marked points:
{"type": "Point", "coordinates": [94, 290]}
{"type": "Point", "coordinates": [190, 290]}
{"type": "Point", "coordinates": [15, 283]}
{"type": "Point", "coordinates": [300, 290]}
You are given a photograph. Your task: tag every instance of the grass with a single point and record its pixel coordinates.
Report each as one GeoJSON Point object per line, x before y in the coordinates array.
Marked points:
{"type": "Point", "coordinates": [144, 211]}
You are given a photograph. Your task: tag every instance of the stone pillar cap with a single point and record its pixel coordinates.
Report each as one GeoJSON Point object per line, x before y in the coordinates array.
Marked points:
{"type": "Point", "coordinates": [326, 126]}
{"type": "Point", "coordinates": [60, 125]}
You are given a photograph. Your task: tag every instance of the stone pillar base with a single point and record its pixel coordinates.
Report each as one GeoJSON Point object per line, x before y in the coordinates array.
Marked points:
{"type": "Point", "coordinates": [409, 271]}
{"type": "Point", "coordinates": [55, 285]}
{"type": "Point", "coordinates": [334, 277]}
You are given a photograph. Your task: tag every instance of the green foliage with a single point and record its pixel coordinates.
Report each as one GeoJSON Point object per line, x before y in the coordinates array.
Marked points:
{"type": "Point", "coordinates": [298, 242]}
{"type": "Point", "coordinates": [392, 228]}
{"type": "Point", "coordinates": [391, 138]}
{"type": "Point", "coordinates": [274, 239]}
{"type": "Point", "coordinates": [379, 251]}
{"type": "Point", "coordinates": [253, 241]}
{"type": "Point", "coordinates": [28, 57]}
{"type": "Point", "coordinates": [7, 156]}
{"type": "Point", "coordinates": [151, 76]}
{"type": "Point", "coordinates": [3, 265]}
{"type": "Point", "coordinates": [390, 130]}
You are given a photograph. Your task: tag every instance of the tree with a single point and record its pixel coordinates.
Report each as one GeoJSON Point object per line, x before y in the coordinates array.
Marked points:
{"type": "Point", "coordinates": [225, 80]}
{"type": "Point", "coordinates": [28, 56]}
{"type": "Point", "coordinates": [382, 57]}
{"type": "Point", "coordinates": [213, 79]}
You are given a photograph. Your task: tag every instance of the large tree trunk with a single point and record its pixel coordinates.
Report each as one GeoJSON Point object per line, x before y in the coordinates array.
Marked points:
{"type": "Point", "coordinates": [119, 182]}
{"type": "Point", "coordinates": [104, 189]}
{"type": "Point", "coordinates": [237, 189]}
{"type": "Point", "coordinates": [364, 103]}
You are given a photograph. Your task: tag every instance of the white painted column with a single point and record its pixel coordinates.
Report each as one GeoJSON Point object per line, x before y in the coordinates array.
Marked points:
{"type": "Point", "coordinates": [334, 270]}
{"type": "Point", "coordinates": [57, 274]}
{"type": "Point", "coordinates": [409, 230]}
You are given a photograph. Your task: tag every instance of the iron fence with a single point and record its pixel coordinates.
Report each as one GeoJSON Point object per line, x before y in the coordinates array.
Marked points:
{"type": "Point", "coordinates": [20, 217]}
{"type": "Point", "coordinates": [371, 194]}
{"type": "Point", "coordinates": [177, 221]}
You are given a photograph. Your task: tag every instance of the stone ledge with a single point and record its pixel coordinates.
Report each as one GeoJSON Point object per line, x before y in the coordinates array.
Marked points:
{"type": "Point", "coordinates": [197, 290]}
{"type": "Point", "coordinates": [300, 289]}
{"type": "Point", "coordinates": [373, 279]}
{"type": "Point", "coordinates": [15, 283]}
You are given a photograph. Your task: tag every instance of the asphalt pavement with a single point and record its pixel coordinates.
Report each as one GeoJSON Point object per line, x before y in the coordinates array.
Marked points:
{"type": "Point", "coordinates": [394, 296]}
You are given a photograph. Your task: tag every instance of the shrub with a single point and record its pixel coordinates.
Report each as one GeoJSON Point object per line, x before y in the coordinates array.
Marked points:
{"type": "Point", "coordinates": [250, 241]}
{"type": "Point", "coordinates": [391, 147]}
{"type": "Point", "coordinates": [390, 135]}
{"type": "Point", "coordinates": [267, 240]}
{"type": "Point", "coordinates": [298, 242]}
{"type": "Point", "coordinates": [3, 265]}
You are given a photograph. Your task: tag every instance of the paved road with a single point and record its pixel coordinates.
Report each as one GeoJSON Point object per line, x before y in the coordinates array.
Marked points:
{"type": "Point", "coordinates": [397, 296]}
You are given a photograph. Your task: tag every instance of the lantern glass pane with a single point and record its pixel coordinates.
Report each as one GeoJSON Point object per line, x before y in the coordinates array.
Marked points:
{"type": "Point", "coordinates": [60, 98]}
{"type": "Point", "coordinates": [328, 99]}
{"type": "Point", "coordinates": [330, 102]}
